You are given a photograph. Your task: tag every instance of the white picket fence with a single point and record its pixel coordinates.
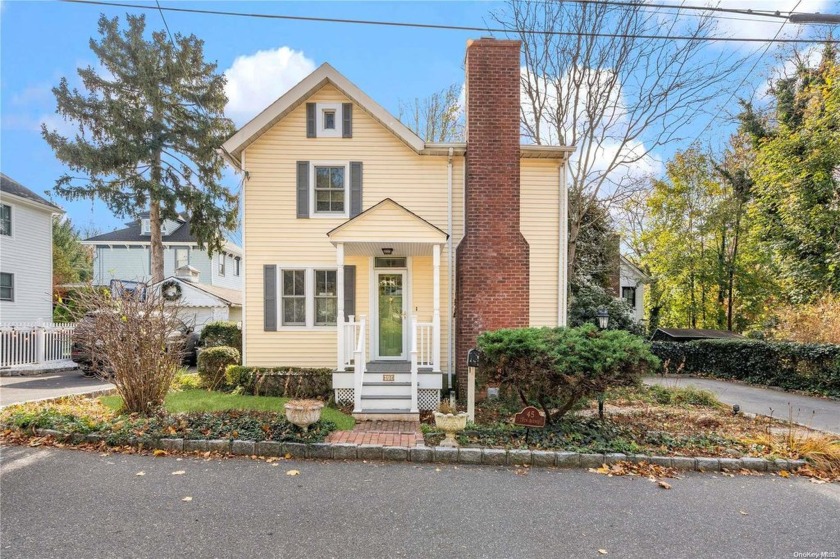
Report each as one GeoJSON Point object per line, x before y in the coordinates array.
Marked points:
{"type": "Point", "coordinates": [32, 343]}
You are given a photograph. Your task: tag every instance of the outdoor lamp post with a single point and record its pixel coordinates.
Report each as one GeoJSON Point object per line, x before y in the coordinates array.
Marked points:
{"type": "Point", "coordinates": [603, 322]}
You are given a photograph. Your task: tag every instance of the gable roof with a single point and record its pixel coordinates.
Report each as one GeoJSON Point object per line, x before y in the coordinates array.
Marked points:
{"type": "Point", "coordinates": [370, 224]}
{"type": "Point", "coordinates": [290, 100]}
{"type": "Point", "coordinates": [232, 149]}
{"type": "Point", "coordinates": [633, 268]}
{"type": "Point", "coordinates": [133, 234]}
{"type": "Point", "coordinates": [232, 297]}
{"type": "Point", "coordinates": [10, 186]}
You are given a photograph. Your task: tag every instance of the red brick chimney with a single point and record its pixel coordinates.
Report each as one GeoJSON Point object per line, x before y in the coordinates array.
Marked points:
{"type": "Point", "coordinates": [492, 259]}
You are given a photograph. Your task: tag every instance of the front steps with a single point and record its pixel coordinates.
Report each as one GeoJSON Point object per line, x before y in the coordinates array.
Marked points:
{"type": "Point", "coordinates": [386, 393]}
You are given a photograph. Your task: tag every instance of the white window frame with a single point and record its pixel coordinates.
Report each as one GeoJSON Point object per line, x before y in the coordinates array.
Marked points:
{"type": "Point", "coordinates": [175, 254]}
{"type": "Point", "coordinates": [282, 292]}
{"type": "Point", "coordinates": [329, 215]}
{"type": "Point", "coordinates": [221, 264]}
{"type": "Point", "coordinates": [309, 295]}
{"type": "Point", "coordinates": [11, 234]}
{"type": "Point", "coordinates": [320, 109]}
{"type": "Point", "coordinates": [12, 287]}
{"type": "Point", "coordinates": [237, 266]}
{"type": "Point", "coordinates": [145, 226]}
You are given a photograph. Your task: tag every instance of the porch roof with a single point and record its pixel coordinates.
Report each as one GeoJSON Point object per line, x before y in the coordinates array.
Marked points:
{"type": "Point", "coordinates": [387, 225]}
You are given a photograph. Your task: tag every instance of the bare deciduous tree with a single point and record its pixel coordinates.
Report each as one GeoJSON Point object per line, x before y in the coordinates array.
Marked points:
{"type": "Point", "coordinates": [617, 98]}
{"type": "Point", "coordinates": [138, 341]}
{"type": "Point", "coordinates": [436, 118]}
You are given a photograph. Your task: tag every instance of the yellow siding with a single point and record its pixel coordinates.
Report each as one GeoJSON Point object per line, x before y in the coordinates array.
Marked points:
{"type": "Point", "coordinates": [540, 216]}
{"type": "Point", "coordinates": [273, 235]}
{"type": "Point", "coordinates": [388, 223]}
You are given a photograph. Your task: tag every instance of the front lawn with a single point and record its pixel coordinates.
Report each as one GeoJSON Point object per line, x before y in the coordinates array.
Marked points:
{"type": "Point", "coordinates": [197, 400]}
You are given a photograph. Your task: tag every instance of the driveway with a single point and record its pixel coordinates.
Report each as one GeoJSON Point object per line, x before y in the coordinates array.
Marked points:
{"type": "Point", "coordinates": [817, 413]}
{"type": "Point", "coordinates": [66, 503]}
{"type": "Point", "coordinates": [14, 390]}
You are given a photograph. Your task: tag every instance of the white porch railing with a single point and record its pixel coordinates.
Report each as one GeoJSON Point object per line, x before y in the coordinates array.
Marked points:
{"type": "Point", "coordinates": [359, 360]}
{"type": "Point", "coordinates": [352, 330]}
{"type": "Point", "coordinates": [425, 338]}
{"type": "Point", "coordinates": [30, 343]}
{"type": "Point", "coordinates": [414, 364]}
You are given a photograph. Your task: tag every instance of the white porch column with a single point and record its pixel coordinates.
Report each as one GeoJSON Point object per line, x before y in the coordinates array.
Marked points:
{"type": "Point", "coordinates": [436, 312]}
{"type": "Point", "coordinates": [339, 315]}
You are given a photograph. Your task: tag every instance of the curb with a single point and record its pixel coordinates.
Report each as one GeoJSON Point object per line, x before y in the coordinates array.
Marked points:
{"type": "Point", "coordinates": [92, 394]}
{"type": "Point", "coordinates": [441, 455]}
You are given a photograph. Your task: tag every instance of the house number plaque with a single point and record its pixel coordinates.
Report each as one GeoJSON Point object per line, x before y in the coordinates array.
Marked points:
{"type": "Point", "coordinates": [529, 417]}
{"type": "Point", "coordinates": [387, 378]}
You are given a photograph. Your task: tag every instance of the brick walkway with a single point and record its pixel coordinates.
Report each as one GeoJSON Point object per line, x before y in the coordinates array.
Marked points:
{"type": "Point", "coordinates": [385, 433]}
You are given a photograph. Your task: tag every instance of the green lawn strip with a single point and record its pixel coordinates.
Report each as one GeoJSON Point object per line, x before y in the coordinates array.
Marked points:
{"type": "Point", "coordinates": [206, 401]}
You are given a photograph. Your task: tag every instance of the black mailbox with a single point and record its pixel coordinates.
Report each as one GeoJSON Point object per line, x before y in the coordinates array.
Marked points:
{"type": "Point", "coordinates": [472, 358]}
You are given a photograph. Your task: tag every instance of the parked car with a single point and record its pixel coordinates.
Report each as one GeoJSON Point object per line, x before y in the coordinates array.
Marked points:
{"type": "Point", "coordinates": [81, 356]}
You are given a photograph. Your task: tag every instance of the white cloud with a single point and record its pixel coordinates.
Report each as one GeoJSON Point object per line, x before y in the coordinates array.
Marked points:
{"type": "Point", "coordinates": [257, 80]}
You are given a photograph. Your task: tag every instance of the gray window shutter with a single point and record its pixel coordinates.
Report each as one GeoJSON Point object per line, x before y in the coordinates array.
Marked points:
{"type": "Point", "coordinates": [303, 189]}
{"type": "Point", "coordinates": [355, 188]}
{"type": "Point", "coordinates": [347, 120]}
{"type": "Point", "coordinates": [310, 120]}
{"type": "Point", "coordinates": [269, 298]}
{"type": "Point", "coordinates": [349, 290]}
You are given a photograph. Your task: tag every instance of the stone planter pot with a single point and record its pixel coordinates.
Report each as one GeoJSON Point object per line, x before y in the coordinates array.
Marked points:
{"type": "Point", "coordinates": [451, 424]}
{"type": "Point", "coordinates": [303, 413]}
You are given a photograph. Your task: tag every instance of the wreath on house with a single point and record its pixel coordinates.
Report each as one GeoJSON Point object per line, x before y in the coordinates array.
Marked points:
{"type": "Point", "coordinates": [171, 290]}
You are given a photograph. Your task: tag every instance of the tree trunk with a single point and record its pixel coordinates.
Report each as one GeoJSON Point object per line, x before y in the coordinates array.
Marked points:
{"type": "Point", "coordinates": [156, 241]}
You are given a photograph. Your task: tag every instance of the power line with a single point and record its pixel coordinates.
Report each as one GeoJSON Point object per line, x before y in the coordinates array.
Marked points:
{"type": "Point", "coordinates": [743, 80]}
{"type": "Point", "coordinates": [444, 27]}
{"type": "Point", "coordinates": [748, 12]}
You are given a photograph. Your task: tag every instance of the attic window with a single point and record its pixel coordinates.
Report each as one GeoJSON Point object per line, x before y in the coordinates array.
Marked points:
{"type": "Point", "coordinates": [146, 227]}
{"type": "Point", "coordinates": [329, 120]}
{"type": "Point", "coordinates": [328, 116]}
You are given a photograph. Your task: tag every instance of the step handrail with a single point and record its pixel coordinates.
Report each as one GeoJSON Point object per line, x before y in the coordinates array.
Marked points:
{"type": "Point", "coordinates": [414, 367]}
{"type": "Point", "coordinates": [359, 366]}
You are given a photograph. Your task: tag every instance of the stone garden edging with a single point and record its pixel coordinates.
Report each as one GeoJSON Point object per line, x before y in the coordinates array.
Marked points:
{"type": "Point", "coordinates": [441, 455]}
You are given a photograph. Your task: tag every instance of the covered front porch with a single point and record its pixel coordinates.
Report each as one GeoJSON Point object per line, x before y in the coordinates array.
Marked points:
{"type": "Point", "coordinates": [389, 331]}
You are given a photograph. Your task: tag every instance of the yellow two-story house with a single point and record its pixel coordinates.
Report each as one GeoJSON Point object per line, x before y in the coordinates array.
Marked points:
{"type": "Point", "coordinates": [371, 251]}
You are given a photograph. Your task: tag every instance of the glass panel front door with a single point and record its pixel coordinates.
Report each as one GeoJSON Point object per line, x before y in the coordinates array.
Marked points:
{"type": "Point", "coordinates": [391, 314]}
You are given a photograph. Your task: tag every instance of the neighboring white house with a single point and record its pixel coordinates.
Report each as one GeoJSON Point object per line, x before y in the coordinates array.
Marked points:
{"type": "Point", "coordinates": [632, 285]}
{"type": "Point", "coordinates": [25, 253]}
{"type": "Point", "coordinates": [201, 303]}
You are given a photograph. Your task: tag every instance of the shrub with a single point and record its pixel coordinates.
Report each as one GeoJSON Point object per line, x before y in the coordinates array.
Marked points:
{"type": "Point", "coordinates": [588, 300]}
{"type": "Point", "coordinates": [212, 363]}
{"type": "Point", "coordinates": [555, 368]}
{"type": "Point", "coordinates": [186, 381]}
{"type": "Point", "coordinates": [789, 365]}
{"type": "Point", "coordinates": [817, 322]}
{"type": "Point", "coordinates": [292, 382]}
{"type": "Point", "coordinates": [222, 333]}
{"type": "Point", "coordinates": [134, 338]}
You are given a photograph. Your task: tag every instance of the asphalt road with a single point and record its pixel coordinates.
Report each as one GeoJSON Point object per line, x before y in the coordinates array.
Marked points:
{"type": "Point", "coordinates": [817, 413]}
{"type": "Point", "coordinates": [64, 503]}
{"type": "Point", "coordinates": [52, 385]}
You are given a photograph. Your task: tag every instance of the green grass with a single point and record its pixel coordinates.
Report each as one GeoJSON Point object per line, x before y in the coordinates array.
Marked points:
{"type": "Point", "coordinates": [198, 400]}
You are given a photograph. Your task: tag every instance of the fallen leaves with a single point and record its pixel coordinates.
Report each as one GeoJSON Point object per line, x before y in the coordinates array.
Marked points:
{"type": "Point", "coordinates": [602, 551]}
{"type": "Point", "coordinates": [664, 485]}
{"type": "Point", "coordinates": [743, 512]}
{"type": "Point", "coordinates": [642, 469]}
{"type": "Point", "coordinates": [179, 473]}
{"type": "Point", "coordinates": [159, 452]}
{"type": "Point", "coordinates": [187, 499]}
{"type": "Point", "coordinates": [140, 473]}
{"type": "Point", "coordinates": [293, 473]}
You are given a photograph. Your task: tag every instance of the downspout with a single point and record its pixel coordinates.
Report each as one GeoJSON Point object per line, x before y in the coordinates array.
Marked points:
{"type": "Point", "coordinates": [451, 273]}
{"type": "Point", "coordinates": [244, 263]}
{"type": "Point", "coordinates": [563, 246]}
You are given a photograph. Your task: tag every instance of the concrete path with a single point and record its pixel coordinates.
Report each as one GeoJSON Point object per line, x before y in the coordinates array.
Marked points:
{"type": "Point", "coordinates": [66, 503]}
{"type": "Point", "coordinates": [817, 413]}
{"type": "Point", "coordinates": [14, 390]}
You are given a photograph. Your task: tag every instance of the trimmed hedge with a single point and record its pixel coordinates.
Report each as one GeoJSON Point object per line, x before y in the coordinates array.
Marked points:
{"type": "Point", "coordinates": [291, 382]}
{"type": "Point", "coordinates": [212, 363]}
{"type": "Point", "coordinates": [789, 365]}
{"type": "Point", "coordinates": [222, 333]}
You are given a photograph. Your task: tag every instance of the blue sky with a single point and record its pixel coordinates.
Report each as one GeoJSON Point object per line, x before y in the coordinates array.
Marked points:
{"type": "Point", "coordinates": [43, 41]}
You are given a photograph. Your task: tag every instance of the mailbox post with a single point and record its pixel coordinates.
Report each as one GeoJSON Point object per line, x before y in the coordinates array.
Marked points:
{"type": "Point", "coordinates": [472, 364]}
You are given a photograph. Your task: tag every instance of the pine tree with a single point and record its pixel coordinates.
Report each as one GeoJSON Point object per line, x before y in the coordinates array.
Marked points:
{"type": "Point", "coordinates": [149, 123]}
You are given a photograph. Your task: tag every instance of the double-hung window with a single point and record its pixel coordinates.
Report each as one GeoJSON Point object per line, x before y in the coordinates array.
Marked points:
{"type": "Point", "coordinates": [629, 295]}
{"type": "Point", "coordinates": [182, 257]}
{"type": "Point", "coordinates": [294, 298]}
{"type": "Point", "coordinates": [309, 297]}
{"type": "Point", "coordinates": [222, 256]}
{"type": "Point", "coordinates": [5, 220]}
{"type": "Point", "coordinates": [7, 287]}
{"type": "Point", "coordinates": [330, 192]}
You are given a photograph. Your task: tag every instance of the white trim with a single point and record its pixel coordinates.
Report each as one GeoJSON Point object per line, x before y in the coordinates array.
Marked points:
{"type": "Point", "coordinates": [309, 296]}
{"type": "Point", "coordinates": [321, 131]}
{"type": "Point", "coordinates": [329, 215]}
{"type": "Point", "coordinates": [15, 199]}
{"type": "Point", "coordinates": [563, 247]}
{"type": "Point", "coordinates": [244, 285]}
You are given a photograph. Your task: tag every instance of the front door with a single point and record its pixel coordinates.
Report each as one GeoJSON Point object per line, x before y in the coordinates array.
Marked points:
{"type": "Point", "coordinates": [391, 314]}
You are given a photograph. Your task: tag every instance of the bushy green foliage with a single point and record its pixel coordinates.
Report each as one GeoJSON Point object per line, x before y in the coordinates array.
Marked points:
{"type": "Point", "coordinates": [222, 333]}
{"type": "Point", "coordinates": [555, 368]}
{"type": "Point", "coordinates": [588, 300]}
{"type": "Point", "coordinates": [185, 381]}
{"type": "Point", "coordinates": [294, 382]}
{"type": "Point", "coordinates": [789, 365]}
{"type": "Point", "coordinates": [212, 363]}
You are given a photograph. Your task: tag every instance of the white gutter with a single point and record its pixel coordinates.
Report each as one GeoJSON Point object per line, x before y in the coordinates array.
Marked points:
{"type": "Point", "coordinates": [451, 334]}
{"type": "Point", "coordinates": [563, 248]}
